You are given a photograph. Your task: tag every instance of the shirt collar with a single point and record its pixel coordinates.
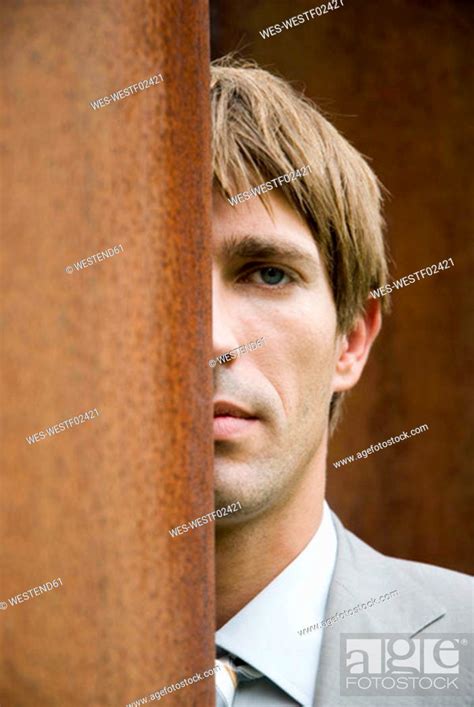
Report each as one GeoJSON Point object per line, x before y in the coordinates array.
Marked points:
{"type": "Point", "coordinates": [264, 633]}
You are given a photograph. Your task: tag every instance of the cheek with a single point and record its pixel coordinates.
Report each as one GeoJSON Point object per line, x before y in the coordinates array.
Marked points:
{"type": "Point", "coordinates": [308, 334]}
{"type": "Point", "coordinates": [316, 371]}
{"type": "Point", "coordinates": [299, 362]}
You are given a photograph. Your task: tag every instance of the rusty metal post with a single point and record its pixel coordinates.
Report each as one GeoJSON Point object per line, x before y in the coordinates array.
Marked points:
{"type": "Point", "coordinates": [125, 336]}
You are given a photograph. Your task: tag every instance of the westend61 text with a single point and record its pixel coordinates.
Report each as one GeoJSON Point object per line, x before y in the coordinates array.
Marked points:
{"type": "Point", "coordinates": [96, 258]}
{"type": "Point", "coordinates": [234, 353]}
{"type": "Point", "coordinates": [24, 596]}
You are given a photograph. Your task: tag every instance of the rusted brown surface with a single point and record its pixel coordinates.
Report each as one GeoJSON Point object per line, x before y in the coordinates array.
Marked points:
{"type": "Point", "coordinates": [93, 504]}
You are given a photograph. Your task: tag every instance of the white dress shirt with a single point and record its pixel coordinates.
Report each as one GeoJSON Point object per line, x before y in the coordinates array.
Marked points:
{"type": "Point", "coordinates": [265, 632]}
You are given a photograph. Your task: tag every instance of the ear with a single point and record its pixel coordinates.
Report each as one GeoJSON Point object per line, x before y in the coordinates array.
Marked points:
{"type": "Point", "coordinates": [355, 345]}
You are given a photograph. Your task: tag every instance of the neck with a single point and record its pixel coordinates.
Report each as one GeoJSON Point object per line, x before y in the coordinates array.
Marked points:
{"type": "Point", "coordinates": [250, 555]}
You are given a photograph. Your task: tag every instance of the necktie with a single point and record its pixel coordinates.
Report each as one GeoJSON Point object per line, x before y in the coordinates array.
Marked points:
{"type": "Point", "coordinates": [228, 677]}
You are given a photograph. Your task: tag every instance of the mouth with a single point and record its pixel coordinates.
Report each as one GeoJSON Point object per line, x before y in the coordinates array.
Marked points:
{"type": "Point", "coordinates": [231, 420]}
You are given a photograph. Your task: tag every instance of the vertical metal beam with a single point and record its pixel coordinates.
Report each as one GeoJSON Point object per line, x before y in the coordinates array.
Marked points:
{"type": "Point", "coordinates": [127, 335]}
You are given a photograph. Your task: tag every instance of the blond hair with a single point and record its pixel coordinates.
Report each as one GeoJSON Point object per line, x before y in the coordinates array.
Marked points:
{"type": "Point", "coordinates": [262, 128]}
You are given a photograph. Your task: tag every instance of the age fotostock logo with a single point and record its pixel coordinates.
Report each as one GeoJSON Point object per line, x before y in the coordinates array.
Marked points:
{"type": "Point", "coordinates": [394, 664]}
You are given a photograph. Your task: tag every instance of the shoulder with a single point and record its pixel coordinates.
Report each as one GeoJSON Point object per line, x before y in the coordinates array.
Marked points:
{"type": "Point", "coordinates": [420, 571]}
{"type": "Point", "coordinates": [452, 588]}
{"type": "Point", "coordinates": [421, 581]}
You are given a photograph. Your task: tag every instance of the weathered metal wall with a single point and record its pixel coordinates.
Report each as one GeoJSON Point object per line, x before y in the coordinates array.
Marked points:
{"type": "Point", "coordinates": [93, 503]}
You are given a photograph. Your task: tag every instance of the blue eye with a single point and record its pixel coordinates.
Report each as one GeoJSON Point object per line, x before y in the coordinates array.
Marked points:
{"type": "Point", "coordinates": [272, 276]}
{"type": "Point", "coordinates": [269, 276]}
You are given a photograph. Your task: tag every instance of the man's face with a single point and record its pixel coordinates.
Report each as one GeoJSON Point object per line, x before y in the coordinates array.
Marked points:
{"type": "Point", "coordinates": [269, 281]}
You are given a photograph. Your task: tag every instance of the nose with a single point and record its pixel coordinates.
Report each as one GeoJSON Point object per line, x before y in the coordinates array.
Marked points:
{"type": "Point", "coordinates": [224, 318]}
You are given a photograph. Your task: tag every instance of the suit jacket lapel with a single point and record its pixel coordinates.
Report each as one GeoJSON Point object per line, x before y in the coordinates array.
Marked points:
{"type": "Point", "coordinates": [360, 574]}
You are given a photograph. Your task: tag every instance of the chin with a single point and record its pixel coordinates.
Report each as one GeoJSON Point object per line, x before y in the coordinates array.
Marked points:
{"type": "Point", "coordinates": [255, 480]}
{"type": "Point", "coordinates": [253, 501]}
{"type": "Point", "coordinates": [224, 497]}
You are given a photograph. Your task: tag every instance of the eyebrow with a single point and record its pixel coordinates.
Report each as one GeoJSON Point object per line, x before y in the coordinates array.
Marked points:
{"type": "Point", "coordinates": [262, 247]}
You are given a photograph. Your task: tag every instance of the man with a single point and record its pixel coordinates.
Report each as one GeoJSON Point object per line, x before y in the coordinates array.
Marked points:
{"type": "Point", "coordinates": [296, 253]}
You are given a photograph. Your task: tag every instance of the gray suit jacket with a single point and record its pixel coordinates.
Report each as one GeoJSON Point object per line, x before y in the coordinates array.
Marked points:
{"type": "Point", "coordinates": [431, 600]}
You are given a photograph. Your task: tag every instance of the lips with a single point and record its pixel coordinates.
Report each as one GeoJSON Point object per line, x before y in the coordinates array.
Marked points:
{"type": "Point", "coordinates": [231, 420]}
{"type": "Point", "coordinates": [225, 409]}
